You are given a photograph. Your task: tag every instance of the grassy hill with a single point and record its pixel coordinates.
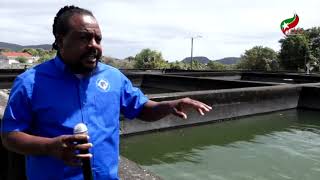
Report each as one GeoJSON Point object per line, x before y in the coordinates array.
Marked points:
{"type": "Point", "coordinates": [229, 60]}
{"type": "Point", "coordinates": [200, 59]}
{"type": "Point", "coordinates": [205, 60]}
{"type": "Point", "coordinates": [17, 47]}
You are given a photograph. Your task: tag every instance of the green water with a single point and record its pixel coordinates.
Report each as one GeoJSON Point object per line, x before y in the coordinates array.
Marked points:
{"type": "Point", "coordinates": [281, 145]}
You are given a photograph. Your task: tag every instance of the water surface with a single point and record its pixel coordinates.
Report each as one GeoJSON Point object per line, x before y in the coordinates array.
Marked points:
{"type": "Point", "coordinates": [280, 145]}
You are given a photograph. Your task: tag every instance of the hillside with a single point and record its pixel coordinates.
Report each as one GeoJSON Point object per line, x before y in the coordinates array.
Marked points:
{"type": "Point", "coordinates": [200, 59]}
{"type": "Point", "coordinates": [229, 60]}
{"type": "Point", "coordinates": [17, 47]}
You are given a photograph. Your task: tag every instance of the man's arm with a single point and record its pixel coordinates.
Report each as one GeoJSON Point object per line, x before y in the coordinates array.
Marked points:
{"type": "Point", "coordinates": [25, 144]}
{"type": "Point", "coordinates": [153, 111]}
{"type": "Point", "coordinates": [61, 147]}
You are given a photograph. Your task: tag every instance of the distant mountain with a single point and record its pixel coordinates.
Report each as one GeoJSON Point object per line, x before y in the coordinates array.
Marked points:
{"type": "Point", "coordinates": [228, 60]}
{"type": "Point", "coordinates": [17, 47]}
{"type": "Point", "coordinates": [200, 59]}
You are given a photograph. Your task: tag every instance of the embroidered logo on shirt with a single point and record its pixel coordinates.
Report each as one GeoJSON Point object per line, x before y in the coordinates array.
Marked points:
{"type": "Point", "coordinates": [103, 85]}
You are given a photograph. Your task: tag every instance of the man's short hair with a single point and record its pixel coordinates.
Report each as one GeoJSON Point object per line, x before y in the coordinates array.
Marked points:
{"type": "Point", "coordinates": [61, 21]}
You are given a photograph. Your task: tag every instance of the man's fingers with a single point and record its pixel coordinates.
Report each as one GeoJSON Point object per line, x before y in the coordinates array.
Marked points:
{"type": "Point", "coordinates": [200, 106]}
{"type": "Point", "coordinates": [83, 146]}
{"type": "Point", "coordinates": [186, 103]}
{"type": "Point", "coordinates": [203, 105]}
{"type": "Point", "coordinates": [200, 111]}
{"type": "Point", "coordinates": [84, 156]}
{"type": "Point", "coordinates": [209, 108]}
{"type": "Point", "coordinates": [179, 113]}
{"type": "Point", "coordinates": [75, 138]}
{"type": "Point", "coordinates": [75, 159]}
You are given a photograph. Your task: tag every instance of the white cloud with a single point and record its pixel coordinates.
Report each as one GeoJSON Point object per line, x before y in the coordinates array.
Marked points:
{"type": "Point", "coordinates": [228, 27]}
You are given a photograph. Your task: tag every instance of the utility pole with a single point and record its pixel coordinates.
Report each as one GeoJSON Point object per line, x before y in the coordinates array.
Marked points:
{"type": "Point", "coordinates": [192, 49]}
{"type": "Point", "coordinates": [191, 53]}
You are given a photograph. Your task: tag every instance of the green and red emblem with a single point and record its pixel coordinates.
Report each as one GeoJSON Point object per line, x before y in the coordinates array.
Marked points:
{"type": "Point", "coordinates": [288, 24]}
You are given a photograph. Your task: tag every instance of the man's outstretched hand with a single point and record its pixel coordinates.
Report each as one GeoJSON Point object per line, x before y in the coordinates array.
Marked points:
{"type": "Point", "coordinates": [181, 106]}
{"type": "Point", "coordinates": [153, 110]}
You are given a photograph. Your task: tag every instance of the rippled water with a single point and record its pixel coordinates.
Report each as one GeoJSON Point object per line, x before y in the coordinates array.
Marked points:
{"type": "Point", "coordinates": [281, 145]}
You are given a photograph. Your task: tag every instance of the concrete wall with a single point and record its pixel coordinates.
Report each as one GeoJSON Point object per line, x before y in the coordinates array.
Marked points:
{"type": "Point", "coordinates": [183, 83]}
{"type": "Point", "coordinates": [285, 77]}
{"type": "Point", "coordinates": [280, 77]}
{"type": "Point", "coordinates": [3, 151]}
{"type": "Point", "coordinates": [12, 164]}
{"type": "Point", "coordinates": [310, 97]}
{"type": "Point", "coordinates": [6, 81]}
{"type": "Point", "coordinates": [226, 104]}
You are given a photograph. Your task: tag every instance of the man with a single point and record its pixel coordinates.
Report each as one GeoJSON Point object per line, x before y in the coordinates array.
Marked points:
{"type": "Point", "coordinates": [47, 101]}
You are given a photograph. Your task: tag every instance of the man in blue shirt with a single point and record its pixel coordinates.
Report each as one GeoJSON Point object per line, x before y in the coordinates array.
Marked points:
{"type": "Point", "coordinates": [47, 101]}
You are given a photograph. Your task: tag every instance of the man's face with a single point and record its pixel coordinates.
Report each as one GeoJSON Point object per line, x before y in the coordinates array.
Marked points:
{"type": "Point", "coordinates": [80, 48]}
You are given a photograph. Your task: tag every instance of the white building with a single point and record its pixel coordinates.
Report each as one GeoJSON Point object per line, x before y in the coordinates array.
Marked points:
{"type": "Point", "coordinates": [10, 57]}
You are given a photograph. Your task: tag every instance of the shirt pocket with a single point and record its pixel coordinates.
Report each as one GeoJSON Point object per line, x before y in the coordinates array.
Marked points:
{"type": "Point", "coordinates": [107, 108]}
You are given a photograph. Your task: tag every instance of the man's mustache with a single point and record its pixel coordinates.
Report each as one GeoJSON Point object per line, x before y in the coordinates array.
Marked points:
{"type": "Point", "coordinates": [93, 53]}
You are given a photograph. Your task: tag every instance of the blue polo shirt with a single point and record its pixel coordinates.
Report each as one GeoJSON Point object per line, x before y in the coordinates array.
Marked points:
{"type": "Point", "coordinates": [48, 100]}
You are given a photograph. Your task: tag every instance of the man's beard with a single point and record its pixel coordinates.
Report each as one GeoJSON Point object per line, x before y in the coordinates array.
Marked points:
{"type": "Point", "coordinates": [80, 67]}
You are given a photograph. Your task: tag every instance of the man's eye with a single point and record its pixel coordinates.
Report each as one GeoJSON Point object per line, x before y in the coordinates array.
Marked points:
{"type": "Point", "coordinates": [98, 40]}
{"type": "Point", "coordinates": [83, 37]}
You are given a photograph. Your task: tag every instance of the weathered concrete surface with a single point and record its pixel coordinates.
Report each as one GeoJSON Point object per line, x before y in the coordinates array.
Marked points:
{"type": "Point", "coordinates": [226, 104]}
{"type": "Point", "coordinates": [310, 98]}
{"type": "Point", "coordinates": [280, 77]}
{"type": "Point", "coordinates": [130, 170]}
{"type": "Point", "coordinates": [3, 102]}
{"type": "Point", "coordinates": [184, 83]}
{"type": "Point", "coordinates": [14, 169]}
{"type": "Point", "coordinates": [294, 78]}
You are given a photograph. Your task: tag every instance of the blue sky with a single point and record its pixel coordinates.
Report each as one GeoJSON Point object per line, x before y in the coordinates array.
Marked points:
{"type": "Point", "coordinates": [228, 28]}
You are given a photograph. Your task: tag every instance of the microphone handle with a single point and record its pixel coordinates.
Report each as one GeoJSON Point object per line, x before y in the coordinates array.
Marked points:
{"type": "Point", "coordinates": [86, 167]}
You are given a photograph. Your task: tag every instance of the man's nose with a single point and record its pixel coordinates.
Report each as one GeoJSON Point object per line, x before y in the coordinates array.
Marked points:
{"type": "Point", "coordinates": [93, 43]}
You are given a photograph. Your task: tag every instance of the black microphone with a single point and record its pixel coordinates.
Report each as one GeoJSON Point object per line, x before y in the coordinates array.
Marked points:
{"type": "Point", "coordinates": [86, 163]}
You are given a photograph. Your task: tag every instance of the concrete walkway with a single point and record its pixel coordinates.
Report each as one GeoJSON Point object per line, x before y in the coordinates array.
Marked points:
{"type": "Point", "coordinates": [130, 170]}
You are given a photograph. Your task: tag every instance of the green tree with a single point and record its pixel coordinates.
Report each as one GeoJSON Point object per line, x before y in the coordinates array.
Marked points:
{"type": "Point", "coordinates": [196, 65]}
{"type": "Point", "coordinates": [21, 59]}
{"type": "Point", "coordinates": [130, 58]}
{"type": "Point", "coordinates": [178, 65]}
{"type": "Point", "coordinates": [315, 48]}
{"type": "Point", "coordinates": [42, 52]}
{"type": "Point", "coordinates": [118, 63]}
{"type": "Point", "coordinates": [45, 55]}
{"type": "Point", "coordinates": [312, 33]}
{"type": "Point", "coordinates": [212, 65]}
{"type": "Point", "coordinates": [300, 48]}
{"type": "Point", "coordinates": [5, 50]}
{"type": "Point", "coordinates": [44, 58]}
{"type": "Point", "coordinates": [149, 59]}
{"type": "Point", "coordinates": [294, 52]}
{"type": "Point", "coordinates": [31, 51]}
{"type": "Point", "coordinates": [314, 44]}
{"type": "Point", "coordinates": [258, 58]}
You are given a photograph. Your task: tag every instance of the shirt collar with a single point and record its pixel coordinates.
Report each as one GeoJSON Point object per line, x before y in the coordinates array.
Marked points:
{"type": "Point", "coordinates": [59, 63]}
{"type": "Point", "coordinates": [62, 66]}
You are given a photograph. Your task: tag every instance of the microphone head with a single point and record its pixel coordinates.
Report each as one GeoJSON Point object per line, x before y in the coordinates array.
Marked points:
{"type": "Point", "coordinates": [80, 128]}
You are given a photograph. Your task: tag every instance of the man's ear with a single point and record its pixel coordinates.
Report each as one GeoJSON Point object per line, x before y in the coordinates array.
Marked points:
{"type": "Point", "coordinates": [59, 40]}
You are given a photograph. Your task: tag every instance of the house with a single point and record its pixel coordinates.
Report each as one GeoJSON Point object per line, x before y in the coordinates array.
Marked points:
{"type": "Point", "coordinates": [11, 57]}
